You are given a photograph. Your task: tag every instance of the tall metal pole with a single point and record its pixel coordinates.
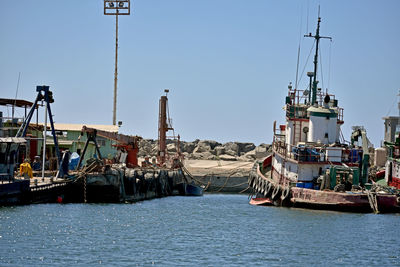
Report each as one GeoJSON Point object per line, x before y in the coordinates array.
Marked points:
{"type": "Point", "coordinates": [116, 8]}
{"type": "Point", "coordinates": [44, 140]}
{"type": "Point", "coordinates": [116, 71]}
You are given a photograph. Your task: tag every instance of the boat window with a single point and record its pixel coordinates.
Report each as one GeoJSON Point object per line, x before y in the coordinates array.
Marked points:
{"type": "Point", "coordinates": [13, 147]}
{"type": "Point", "coordinates": [3, 148]}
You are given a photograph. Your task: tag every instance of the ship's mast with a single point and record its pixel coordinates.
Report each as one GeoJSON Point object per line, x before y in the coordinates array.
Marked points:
{"type": "Point", "coordinates": [315, 82]}
{"type": "Point", "coordinates": [398, 120]}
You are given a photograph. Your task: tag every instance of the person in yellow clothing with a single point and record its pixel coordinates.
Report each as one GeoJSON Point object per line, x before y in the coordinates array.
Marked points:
{"type": "Point", "coordinates": [25, 169]}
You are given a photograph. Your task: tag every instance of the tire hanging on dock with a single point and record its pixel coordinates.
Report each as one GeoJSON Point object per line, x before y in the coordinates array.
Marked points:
{"type": "Point", "coordinates": [266, 188]}
{"type": "Point", "coordinates": [276, 193]}
{"type": "Point", "coordinates": [262, 186]}
{"type": "Point", "coordinates": [253, 182]}
{"type": "Point", "coordinates": [258, 184]}
{"type": "Point", "coordinates": [285, 193]}
{"type": "Point", "coordinates": [270, 188]}
{"type": "Point", "coordinates": [250, 179]}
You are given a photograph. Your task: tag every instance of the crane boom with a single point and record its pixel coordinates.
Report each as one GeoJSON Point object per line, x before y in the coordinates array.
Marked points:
{"type": "Point", "coordinates": [128, 143]}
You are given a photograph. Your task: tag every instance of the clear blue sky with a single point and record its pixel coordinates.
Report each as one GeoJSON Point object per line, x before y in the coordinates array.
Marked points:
{"type": "Point", "coordinates": [227, 63]}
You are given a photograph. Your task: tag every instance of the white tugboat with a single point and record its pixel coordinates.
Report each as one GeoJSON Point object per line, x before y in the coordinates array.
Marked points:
{"type": "Point", "coordinates": [310, 166]}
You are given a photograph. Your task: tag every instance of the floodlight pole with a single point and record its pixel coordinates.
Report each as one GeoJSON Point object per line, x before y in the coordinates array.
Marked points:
{"type": "Point", "coordinates": [113, 7]}
{"type": "Point", "coordinates": [116, 71]}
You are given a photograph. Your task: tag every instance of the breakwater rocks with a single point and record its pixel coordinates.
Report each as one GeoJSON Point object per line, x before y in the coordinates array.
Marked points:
{"type": "Point", "coordinates": [208, 150]}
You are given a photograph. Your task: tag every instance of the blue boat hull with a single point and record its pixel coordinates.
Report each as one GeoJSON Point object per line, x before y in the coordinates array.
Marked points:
{"type": "Point", "coordinates": [16, 192]}
{"type": "Point", "coordinates": [193, 190]}
{"type": "Point", "coordinates": [190, 189]}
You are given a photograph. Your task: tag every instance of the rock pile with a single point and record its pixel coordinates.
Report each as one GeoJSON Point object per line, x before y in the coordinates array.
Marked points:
{"type": "Point", "coordinates": [208, 149]}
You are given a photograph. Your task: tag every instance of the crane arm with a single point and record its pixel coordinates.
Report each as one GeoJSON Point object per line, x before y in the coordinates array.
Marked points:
{"type": "Point", "coordinates": [119, 138]}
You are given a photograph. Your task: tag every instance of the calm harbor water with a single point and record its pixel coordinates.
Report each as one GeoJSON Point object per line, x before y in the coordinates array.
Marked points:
{"type": "Point", "coordinates": [214, 230]}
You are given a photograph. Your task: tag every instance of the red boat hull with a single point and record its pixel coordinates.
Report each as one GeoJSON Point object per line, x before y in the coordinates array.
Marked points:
{"type": "Point", "coordinates": [261, 202]}
{"type": "Point", "coordinates": [330, 200]}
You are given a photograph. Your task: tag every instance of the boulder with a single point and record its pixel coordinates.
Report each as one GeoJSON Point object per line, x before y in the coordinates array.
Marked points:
{"type": "Point", "coordinates": [231, 146]}
{"type": "Point", "coordinates": [171, 148]}
{"type": "Point", "coordinates": [202, 147]}
{"type": "Point", "coordinates": [204, 155]}
{"type": "Point", "coordinates": [219, 150]}
{"type": "Point", "coordinates": [246, 147]}
{"type": "Point", "coordinates": [261, 152]}
{"type": "Point", "coordinates": [251, 155]}
{"type": "Point", "coordinates": [188, 147]}
{"type": "Point", "coordinates": [213, 144]}
{"type": "Point", "coordinates": [231, 149]}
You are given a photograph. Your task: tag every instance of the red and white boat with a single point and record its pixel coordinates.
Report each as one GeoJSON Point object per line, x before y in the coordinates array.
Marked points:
{"type": "Point", "coordinates": [391, 173]}
{"type": "Point", "coordinates": [310, 166]}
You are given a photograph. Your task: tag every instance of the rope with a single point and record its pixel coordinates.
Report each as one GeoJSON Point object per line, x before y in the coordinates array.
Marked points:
{"type": "Point", "coordinates": [305, 65]}
{"type": "Point", "coordinates": [238, 184]}
{"type": "Point", "coordinates": [84, 189]}
{"type": "Point", "coordinates": [241, 192]}
{"type": "Point", "coordinates": [227, 178]}
{"type": "Point", "coordinates": [82, 175]}
{"type": "Point", "coordinates": [208, 184]}
{"type": "Point", "coordinates": [372, 201]}
{"type": "Point", "coordinates": [184, 169]}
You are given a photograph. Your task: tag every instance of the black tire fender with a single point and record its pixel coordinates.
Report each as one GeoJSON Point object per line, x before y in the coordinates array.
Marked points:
{"type": "Point", "coordinates": [285, 193]}
{"type": "Point", "coordinates": [276, 192]}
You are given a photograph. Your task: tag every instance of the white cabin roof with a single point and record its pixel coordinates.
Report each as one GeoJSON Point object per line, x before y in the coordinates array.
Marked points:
{"type": "Point", "coordinates": [78, 127]}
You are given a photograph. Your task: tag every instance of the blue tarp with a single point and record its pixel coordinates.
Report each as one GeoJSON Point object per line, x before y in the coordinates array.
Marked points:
{"type": "Point", "coordinates": [73, 161]}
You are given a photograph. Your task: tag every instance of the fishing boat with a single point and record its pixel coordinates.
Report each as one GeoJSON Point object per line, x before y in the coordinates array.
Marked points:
{"type": "Point", "coordinates": [12, 191]}
{"type": "Point", "coordinates": [311, 165]}
{"type": "Point", "coordinates": [391, 173]}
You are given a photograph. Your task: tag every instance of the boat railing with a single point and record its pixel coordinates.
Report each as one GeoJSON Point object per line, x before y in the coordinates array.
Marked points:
{"type": "Point", "coordinates": [298, 96]}
{"type": "Point", "coordinates": [340, 114]}
{"type": "Point", "coordinates": [297, 103]}
{"type": "Point", "coordinates": [309, 153]}
{"type": "Point", "coordinates": [279, 144]}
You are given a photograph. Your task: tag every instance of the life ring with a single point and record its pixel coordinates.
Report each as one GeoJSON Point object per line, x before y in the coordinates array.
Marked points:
{"type": "Point", "coordinates": [276, 192]}
{"type": "Point", "coordinates": [285, 193]}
